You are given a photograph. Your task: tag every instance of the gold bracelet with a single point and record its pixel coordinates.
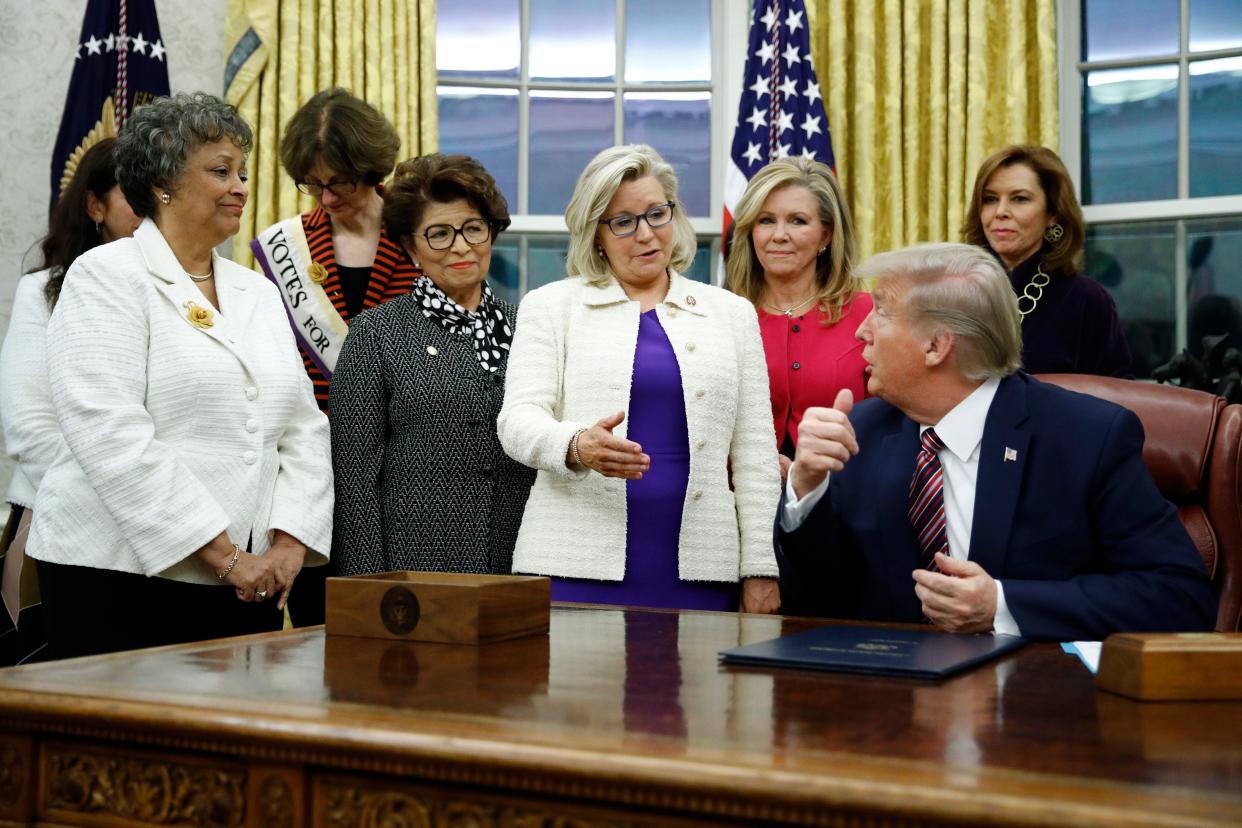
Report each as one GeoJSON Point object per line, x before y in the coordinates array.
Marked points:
{"type": "Point", "coordinates": [236, 554]}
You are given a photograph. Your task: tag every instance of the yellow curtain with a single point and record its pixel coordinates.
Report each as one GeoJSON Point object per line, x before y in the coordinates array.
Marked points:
{"type": "Point", "coordinates": [280, 52]}
{"type": "Point", "coordinates": [919, 92]}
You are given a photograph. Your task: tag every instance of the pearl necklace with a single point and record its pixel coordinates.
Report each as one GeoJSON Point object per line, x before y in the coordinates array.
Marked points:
{"type": "Point", "coordinates": [1033, 292]}
{"type": "Point", "coordinates": [194, 278]}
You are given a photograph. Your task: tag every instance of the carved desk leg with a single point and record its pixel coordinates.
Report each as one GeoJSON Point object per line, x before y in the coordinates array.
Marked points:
{"type": "Point", "coordinates": [17, 778]}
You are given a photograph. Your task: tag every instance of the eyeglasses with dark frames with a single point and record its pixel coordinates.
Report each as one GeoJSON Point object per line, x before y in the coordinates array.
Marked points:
{"type": "Point", "coordinates": [338, 188]}
{"type": "Point", "coordinates": [626, 224]}
{"type": "Point", "coordinates": [443, 236]}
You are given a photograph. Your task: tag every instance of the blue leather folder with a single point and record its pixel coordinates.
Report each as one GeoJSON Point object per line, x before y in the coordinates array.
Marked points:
{"type": "Point", "coordinates": [876, 651]}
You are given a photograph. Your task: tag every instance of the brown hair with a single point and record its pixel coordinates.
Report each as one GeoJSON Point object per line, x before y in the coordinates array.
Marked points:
{"type": "Point", "coordinates": [70, 231]}
{"type": "Point", "coordinates": [834, 276]}
{"type": "Point", "coordinates": [1060, 258]}
{"type": "Point", "coordinates": [440, 178]}
{"type": "Point", "coordinates": [347, 133]}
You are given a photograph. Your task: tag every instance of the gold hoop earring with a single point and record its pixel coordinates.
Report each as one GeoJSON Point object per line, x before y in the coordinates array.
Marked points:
{"type": "Point", "coordinates": [1054, 232]}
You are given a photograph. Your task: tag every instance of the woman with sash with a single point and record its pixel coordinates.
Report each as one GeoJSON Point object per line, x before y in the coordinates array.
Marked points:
{"type": "Point", "coordinates": [335, 261]}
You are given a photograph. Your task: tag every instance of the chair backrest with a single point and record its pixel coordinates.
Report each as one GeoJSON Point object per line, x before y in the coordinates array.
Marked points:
{"type": "Point", "coordinates": [1193, 448]}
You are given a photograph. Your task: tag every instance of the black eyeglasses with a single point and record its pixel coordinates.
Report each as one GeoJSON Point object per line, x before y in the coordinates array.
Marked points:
{"type": "Point", "coordinates": [443, 236]}
{"type": "Point", "coordinates": [627, 225]}
{"type": "Point", "coordinates": [337, 188]}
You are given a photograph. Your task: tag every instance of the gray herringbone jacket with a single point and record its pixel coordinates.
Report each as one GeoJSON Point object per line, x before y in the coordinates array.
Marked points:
{"type": "Point", "coordinates": [421, 480]}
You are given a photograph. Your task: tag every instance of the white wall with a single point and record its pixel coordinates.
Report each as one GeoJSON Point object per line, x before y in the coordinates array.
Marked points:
{"type": "Point", "coordinates": [37, 42]}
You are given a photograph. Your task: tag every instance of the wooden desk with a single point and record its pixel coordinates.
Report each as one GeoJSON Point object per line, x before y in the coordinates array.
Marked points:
{"type": "Point", "coordinates": [616, 718]}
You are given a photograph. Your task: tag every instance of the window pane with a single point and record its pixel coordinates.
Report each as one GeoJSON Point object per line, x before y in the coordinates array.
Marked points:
{"type": "Point", "coordinates": [545, 260]}
{"type": "Point", "coordinates": [668, 42]}
{"type": "Point", "coordinates": [1215, 24]}
{"type": "Point", "coordinates": [704, 263]}
{"type": "Point", "coordinates": [1136, 263]}
{"type": "Point", "coordinates": [1215, 115]}
{"type": "Point", "coordinates": [503, 273]}
{"type": "Point", "coordinates": [1129, 141]}
{"type": "Point", "coordinates": [566, 130]}
{"type": "Point", "coordinates": [573, 40]}
{"type": "Point", "coordinates": [1133, 28]}
{"type": "Point", "coordinates": [679, 126]}
{"type": "Point", "coordinates": [1214, 282]}
{"type": "Point", "coordinates": [478, 39]}
{"type": "Point", "coordinates": [483, 123]}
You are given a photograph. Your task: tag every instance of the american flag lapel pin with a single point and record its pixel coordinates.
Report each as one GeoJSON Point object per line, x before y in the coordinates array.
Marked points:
{"type": "Point", "coordinates": [1011, 455]}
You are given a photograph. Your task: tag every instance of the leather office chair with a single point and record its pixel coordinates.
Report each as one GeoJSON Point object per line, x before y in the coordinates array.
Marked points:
{"type": "Point", "coordinates": [1193, 450]}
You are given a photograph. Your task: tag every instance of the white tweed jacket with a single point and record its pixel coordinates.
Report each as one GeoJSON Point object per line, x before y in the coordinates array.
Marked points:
{"type": "Point", "coordinates": [175, 433]}
{"type": "Point", "coordinates": [31, 434]}
{"type": "Point", "coordinates": [571, 364]}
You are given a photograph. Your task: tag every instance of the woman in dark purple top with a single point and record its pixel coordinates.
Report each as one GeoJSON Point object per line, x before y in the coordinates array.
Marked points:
{"type": "Point", "coordinates": [1024, 210]}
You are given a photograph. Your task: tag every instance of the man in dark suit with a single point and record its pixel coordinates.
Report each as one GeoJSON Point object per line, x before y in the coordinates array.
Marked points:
{"type": "Point", "coordinates": [970, 494]}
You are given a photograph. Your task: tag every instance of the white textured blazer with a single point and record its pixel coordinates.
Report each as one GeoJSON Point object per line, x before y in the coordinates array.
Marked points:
{"type": "Point", "coordinates": [31, 434]}
{"type": "Point", "coordinates": [176, 433]}
{"type": "Point", "coordinates": [571, 364]}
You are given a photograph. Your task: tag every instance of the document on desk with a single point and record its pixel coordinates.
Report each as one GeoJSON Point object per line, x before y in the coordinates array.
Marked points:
{"type": "Point", "coordinates": [875, 650]}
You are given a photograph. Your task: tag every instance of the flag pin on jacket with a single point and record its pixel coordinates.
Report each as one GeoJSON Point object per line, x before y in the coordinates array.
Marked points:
{"type": "Point", "coordinates": [1011, 455]}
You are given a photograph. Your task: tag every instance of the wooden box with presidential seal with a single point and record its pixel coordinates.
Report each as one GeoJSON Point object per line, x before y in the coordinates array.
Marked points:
{"type": "Point", "coordinates": [446, 607]}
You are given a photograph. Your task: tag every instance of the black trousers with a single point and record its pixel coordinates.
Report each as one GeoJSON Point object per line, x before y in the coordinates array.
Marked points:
{"type": "Point", "coordinates": [309, 595]}
{"type": "Point", "coordinates": [88, 611]}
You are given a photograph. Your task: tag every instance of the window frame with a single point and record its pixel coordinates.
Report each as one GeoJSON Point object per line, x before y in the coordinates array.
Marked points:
{"type": "Point", "coordinates": [730, 22]}
{"type": "Point", "coordinates": [1072, 69]}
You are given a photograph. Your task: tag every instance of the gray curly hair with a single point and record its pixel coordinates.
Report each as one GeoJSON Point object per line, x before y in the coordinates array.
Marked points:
{"type": "Point", "coordinates": [152, 147]}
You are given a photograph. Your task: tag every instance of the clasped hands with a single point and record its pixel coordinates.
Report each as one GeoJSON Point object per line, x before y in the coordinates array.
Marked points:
{"type": "Point", "coordinates": [257, 577]}
{"type": "Point", "coordinates": [961, 597]}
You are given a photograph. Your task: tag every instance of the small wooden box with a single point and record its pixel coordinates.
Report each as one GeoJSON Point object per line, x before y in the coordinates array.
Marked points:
{"type": "Point", "coordinates": [1172, 666]}
{"type": "Point", "coordinates": [438, 606]}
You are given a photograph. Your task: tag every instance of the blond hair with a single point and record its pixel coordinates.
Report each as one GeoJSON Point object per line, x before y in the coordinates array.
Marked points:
{"type": "Point", "coordinates": [962, 290]}
{"type": "Point", "coordinates": [834, 277]}
{"type": "Point", "coordinates": [596, 187]}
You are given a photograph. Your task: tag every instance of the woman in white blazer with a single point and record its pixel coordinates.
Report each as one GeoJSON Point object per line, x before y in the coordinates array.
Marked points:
{"type": "Point", "coordinates": [634, 392]}
{"type": "Point", "coordinates": [91, 211]}
{"type": "Point", "coordinates": [196, 477]}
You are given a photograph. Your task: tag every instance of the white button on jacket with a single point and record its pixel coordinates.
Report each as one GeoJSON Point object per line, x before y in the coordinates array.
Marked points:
{"type": "Point", "coordinates": [154, 413]}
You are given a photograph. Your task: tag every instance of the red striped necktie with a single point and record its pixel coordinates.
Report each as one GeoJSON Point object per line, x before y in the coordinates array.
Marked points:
{"type": "Point", "coordinates": [927, 500]}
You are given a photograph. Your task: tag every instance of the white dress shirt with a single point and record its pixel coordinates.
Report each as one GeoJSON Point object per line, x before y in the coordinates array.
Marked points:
{"type": "Point", "coordinates": [961, 430]}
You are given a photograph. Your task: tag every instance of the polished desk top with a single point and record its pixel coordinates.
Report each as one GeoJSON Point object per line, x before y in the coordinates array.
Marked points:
{"type": "Point", "coordinates": [631, 699]}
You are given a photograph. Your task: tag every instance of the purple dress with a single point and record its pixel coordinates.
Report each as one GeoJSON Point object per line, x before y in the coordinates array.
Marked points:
{"type": "Point", "coordinates": [657, 422]}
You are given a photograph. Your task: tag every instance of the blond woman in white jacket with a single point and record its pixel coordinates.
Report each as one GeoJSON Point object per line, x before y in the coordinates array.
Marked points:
{"type": "Point", "coordinates": [196, 476]}
{"type": "Point", "coordinates": [632, 389]}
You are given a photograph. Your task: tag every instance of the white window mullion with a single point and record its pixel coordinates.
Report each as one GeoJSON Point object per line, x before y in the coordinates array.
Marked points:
{"type": "Point", "coordinates": [523, 159]}
{"type": "Point", "coordinates": [618, 103]}
{"type": "Point", "coordinates": [1183, 107]}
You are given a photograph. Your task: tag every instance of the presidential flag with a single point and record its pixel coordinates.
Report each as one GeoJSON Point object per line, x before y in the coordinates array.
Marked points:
{"type": "Point", "coordinates": [781, 112]}
{"type": "Point", "coordinates": [120, 63]}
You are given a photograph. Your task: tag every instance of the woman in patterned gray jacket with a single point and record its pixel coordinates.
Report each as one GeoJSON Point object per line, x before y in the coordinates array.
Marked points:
{"type": "Point", "coordinates": [421, 479]}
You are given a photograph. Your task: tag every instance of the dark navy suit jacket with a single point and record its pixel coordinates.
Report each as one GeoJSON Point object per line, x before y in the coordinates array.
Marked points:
{"type": "Point", "coordinates": [1073, 526]}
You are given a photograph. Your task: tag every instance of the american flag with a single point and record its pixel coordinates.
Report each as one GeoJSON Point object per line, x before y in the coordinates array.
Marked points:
{"type": "Point", "coordinates": [781, 112]}
{"type": "Point", "coordinates": [120, 63]}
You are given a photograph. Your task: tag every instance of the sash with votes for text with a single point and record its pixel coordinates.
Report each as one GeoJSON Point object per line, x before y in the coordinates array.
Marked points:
{"type": "Point", "coordinates": [284, 255]}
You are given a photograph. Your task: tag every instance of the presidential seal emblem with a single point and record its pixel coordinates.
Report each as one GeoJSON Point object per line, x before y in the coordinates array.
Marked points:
{"type": "Point", "coordinates": [399, 610]}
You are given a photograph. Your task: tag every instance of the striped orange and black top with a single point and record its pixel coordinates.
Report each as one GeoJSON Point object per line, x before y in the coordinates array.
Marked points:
{"type": "Point", "coordinates": [392, 275]}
